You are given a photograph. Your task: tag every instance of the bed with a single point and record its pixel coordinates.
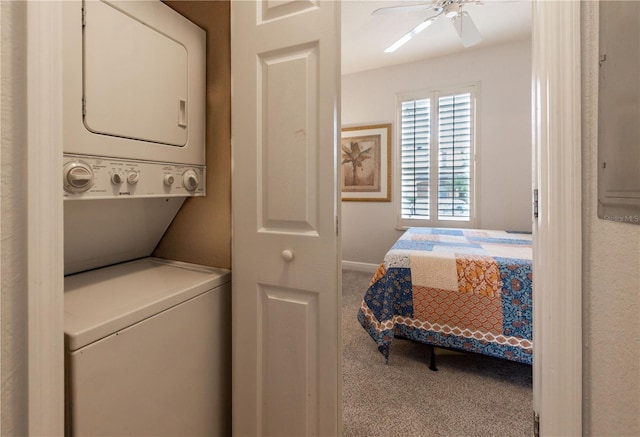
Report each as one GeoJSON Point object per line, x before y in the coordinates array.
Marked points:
{"type": "Point", "coordinates": [464, 289]}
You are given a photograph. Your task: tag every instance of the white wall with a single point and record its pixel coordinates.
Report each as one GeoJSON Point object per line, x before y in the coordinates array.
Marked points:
{"type": "Point", "coordinates": [503, 140]}
{"type": "Point", "coordinates": [13, 236]}
{"type": "Point", "coordinates": [611, 274]}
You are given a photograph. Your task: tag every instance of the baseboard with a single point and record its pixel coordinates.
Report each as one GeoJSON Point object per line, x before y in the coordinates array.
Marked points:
{"type": "Point", "coordinates": [359, 267]}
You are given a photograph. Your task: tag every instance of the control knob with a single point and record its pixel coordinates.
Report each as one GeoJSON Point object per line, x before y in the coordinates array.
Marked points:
{"type": "Point", "coordinates": [132, 177]}
{"type": "Point", "coordinates": [190, 180]}
{"type": "Point", "coordinates": [77, 176]}
{"type": "Point", "coordinates": [168, 180]}
{"type": "Point", "coordinates": [117, 178]}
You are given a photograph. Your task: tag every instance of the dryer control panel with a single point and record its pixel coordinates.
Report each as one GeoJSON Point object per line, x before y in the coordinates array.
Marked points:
{"type": "Point", "coordinates": [91, 177]}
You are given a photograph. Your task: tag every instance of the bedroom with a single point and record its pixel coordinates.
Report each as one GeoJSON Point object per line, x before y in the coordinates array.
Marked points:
{"type": "Point", "coordinates": [501, 73]}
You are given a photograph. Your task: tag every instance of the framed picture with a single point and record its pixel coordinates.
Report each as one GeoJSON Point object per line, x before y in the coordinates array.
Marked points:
{"type": "Point", "coordinates": [366, 163]}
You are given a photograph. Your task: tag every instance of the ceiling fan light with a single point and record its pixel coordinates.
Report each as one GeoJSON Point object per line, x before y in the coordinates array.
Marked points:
{"type": "Point", "coordinates": [452, 10]}
{"type": "Point", "coordinates": [466, 29]}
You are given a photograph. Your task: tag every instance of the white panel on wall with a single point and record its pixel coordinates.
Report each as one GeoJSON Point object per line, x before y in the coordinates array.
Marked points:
{"type": "Point", "coordinates": [619, 112]}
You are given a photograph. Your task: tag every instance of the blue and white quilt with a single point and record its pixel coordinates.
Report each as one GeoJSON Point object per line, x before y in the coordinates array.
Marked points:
{"type": "Point", "coordinates": [466, 289]}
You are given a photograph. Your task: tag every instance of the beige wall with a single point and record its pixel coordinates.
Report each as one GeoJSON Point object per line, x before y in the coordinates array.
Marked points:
{"type": "Point", "coordinates": [611, 263]}
{"type": "Point", "coordinates": [13, 235]}
{"type": "Point", "coordinates": [201, 232]}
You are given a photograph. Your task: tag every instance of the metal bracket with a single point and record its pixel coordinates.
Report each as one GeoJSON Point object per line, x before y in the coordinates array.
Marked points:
{"type": "Point", "coordinates": [536, 424]}
{"type": "Point", "coordinates": [535, 203]}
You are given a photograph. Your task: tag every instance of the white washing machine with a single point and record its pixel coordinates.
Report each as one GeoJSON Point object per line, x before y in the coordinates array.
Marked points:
{"type": "Point", "coordinates": [148, 350]}
{"type": "Point", "coordinates": [147, 340]}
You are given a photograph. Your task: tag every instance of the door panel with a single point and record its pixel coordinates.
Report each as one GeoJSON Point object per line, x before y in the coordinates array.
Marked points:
{"type": "Point", "coordinates": [286, 277]}
{"type": "Point", "coordinates": [289, 164]}
{"type": "Point", "coordinates": [290, 357]}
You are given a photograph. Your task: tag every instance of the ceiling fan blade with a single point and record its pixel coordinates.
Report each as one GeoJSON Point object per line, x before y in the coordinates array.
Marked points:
{"type": "Point", "coordinates": [466, 29]}
{"type": "Point", "coordinates": [401, 9]}
{"type": "Point", "coordinates": [413, 32]}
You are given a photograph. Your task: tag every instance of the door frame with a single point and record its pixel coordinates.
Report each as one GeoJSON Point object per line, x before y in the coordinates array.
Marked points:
{"type": "Point", "coordinates": [556, 66]}
{"type": "Point", "coordinates": [557, 230]}
{"type": "Point", "coordinates": [45, 244]}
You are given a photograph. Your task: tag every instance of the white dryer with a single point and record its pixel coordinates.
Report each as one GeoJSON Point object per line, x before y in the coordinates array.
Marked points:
{"type": "Point", "coordinates": [134, 76]}
{"type": "Point", "coordinates": [133, 126]}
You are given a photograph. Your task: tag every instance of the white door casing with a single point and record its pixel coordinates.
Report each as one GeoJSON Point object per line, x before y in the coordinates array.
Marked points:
{"type": "Point", "coordinates": [286, 277]}
{"type": "Point", "coordinates": [45, 219]}
{"type": "Point", "coordinates": [557, 260]}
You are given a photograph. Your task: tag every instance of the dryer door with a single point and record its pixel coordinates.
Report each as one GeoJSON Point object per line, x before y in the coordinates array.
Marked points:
{"type": "Point", "coordinates": [134, 78]}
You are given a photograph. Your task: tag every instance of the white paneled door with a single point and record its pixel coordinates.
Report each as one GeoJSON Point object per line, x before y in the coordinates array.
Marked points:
{"type": "Point", "coordinates": [286, 253]}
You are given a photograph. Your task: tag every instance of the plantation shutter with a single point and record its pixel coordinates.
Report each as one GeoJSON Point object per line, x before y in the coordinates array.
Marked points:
{"type": "Point", "coordinates": [416, 144]}
{"type": "Point", "coordinates": [454, 156]}
{"type": "Point", "coordinates": [436, 158]}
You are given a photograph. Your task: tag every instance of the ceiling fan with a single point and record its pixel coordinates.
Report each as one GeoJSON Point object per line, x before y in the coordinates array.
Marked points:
{"type": "Point", "coordinates": [451, 9]}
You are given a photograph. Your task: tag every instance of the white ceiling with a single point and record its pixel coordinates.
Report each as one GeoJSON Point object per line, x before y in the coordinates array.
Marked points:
{"type": "Point", "coordinates": [364, 37]}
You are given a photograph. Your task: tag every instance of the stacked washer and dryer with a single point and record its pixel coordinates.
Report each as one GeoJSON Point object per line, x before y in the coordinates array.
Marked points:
{"type": "Point", "coordinates": [146, 339]}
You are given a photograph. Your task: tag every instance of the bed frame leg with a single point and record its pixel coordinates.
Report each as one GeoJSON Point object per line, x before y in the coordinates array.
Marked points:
{"type": "Point", "coordinates": [432, 358]}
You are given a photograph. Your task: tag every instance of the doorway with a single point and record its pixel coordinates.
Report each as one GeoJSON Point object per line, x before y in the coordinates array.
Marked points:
{"type": "Point", "coordinates": [544, 71]}
{"type": "Point", "coordinates": [501, 75]}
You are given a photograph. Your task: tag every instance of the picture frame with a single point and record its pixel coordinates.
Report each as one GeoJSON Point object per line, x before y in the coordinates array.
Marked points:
{"type": "Point", "coordinates": [365, 166]}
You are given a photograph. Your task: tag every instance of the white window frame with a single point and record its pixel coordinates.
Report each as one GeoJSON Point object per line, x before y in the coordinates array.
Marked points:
{"type": "Point", "coordinates": [433, 221]}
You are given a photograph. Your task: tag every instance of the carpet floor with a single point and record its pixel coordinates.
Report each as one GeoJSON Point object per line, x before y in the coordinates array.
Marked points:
{"type": "Point", "coordinates": [470, 394]}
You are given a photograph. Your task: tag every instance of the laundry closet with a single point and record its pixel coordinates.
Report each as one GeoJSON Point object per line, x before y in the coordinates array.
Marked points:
{"type": "Point", "coordinates": [146, 177]}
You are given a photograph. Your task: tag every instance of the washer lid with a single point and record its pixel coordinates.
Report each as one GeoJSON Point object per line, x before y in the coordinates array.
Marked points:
{"type": "Point", "coordinates": [101, 302]}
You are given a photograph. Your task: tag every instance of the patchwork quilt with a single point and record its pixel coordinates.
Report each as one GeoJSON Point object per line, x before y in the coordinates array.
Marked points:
{"type": "Point", "coordinates": [466, 289]}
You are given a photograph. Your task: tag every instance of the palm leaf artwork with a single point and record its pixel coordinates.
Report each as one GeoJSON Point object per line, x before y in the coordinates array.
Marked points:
{"type": "Point", "coordinates": [354, 156]}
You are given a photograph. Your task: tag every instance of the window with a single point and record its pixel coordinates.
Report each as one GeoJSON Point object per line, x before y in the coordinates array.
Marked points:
{"type": "Point", "coordinates": [436, 156]}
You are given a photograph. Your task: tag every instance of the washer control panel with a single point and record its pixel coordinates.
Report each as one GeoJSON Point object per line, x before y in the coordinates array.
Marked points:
{"type": "Point", "coordinates": [91, 177]}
